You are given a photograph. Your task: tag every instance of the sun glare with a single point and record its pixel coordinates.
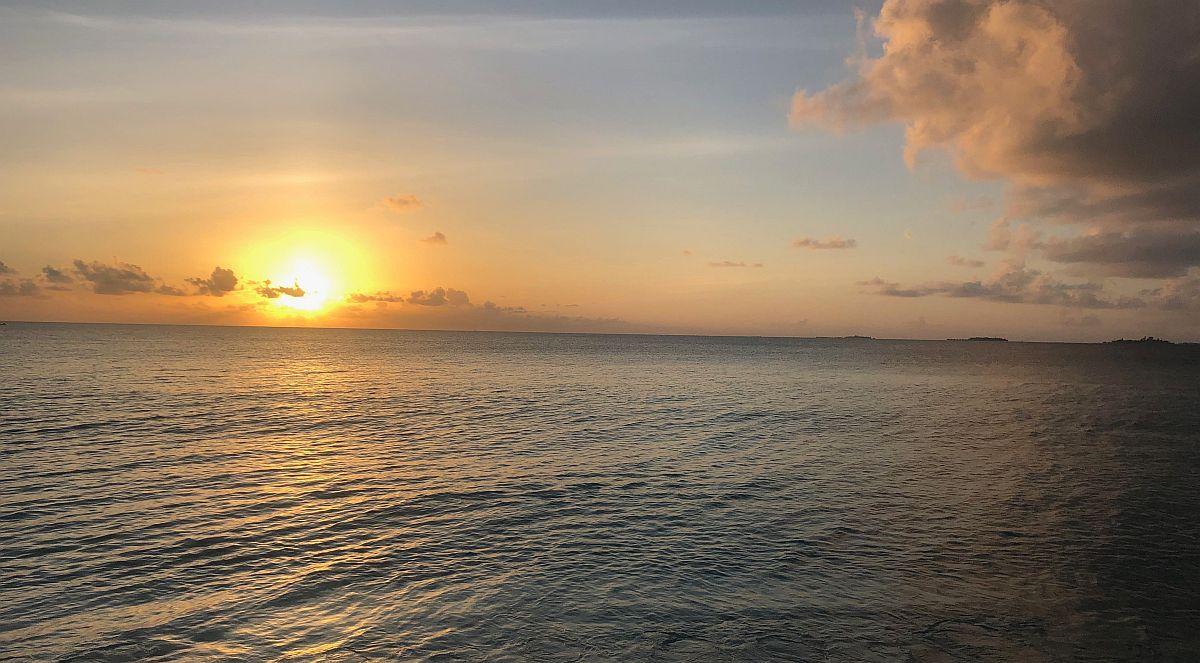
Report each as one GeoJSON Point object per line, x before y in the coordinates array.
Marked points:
{"type": "Point", "coordinates": [313, 280]}
{"type": "Point", "coordinates": [324, 265]}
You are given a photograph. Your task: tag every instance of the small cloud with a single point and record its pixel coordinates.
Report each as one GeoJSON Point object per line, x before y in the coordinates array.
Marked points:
{"type": "Point", "coordinates": [494, 308]}
{"type": "Point", "coordinates": [687, 252]}
{"type": "Point", "coordinates": [5, 269]}
{"type": "Point", "coordinates": [385, 296]}
{"type": "Point", "coordinates": [959, 261]}
{"type": "Point", "coordinates": [834, 242]}
{"type": "Point", "coordinates": [401, 204]}
{"type": "Point", "coordinates": [908, 234]}
{"type": "Point", "coordinates": [170, 291]}
{"type": "Point", "coordinates": [274, 292]}
{"type": "Point", "coordinates": [217, 284]}
{"type": "Point", "coordinates": [733, 263]}
{"type": "Point", "coordinates": [21, 288]}
{"type": "Point", "coordinates": [439, 297]}
{"type": "Point", "coordinates": [435, 238]}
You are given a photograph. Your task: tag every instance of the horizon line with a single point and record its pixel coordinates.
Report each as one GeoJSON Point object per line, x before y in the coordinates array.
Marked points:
{"type": "Point", "coordinates": [848, 337]}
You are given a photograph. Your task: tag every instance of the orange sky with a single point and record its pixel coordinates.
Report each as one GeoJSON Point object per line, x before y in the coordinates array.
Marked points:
{"type": "Point", "coordinates": [598, 171]}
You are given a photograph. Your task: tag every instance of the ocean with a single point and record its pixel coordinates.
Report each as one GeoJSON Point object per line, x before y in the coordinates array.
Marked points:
{"type": "Point", "coordinates": [252, 494]}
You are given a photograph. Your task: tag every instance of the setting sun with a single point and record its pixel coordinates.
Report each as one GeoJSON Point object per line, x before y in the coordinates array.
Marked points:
{"type": "Point", "coordinates": [312, 281]}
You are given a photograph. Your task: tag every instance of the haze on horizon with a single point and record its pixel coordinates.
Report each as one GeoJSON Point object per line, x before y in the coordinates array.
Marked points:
{"type": "Point", "coordinates": [911, 168]}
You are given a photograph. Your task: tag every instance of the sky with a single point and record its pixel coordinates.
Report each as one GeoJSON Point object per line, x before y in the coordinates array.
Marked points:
{"type": "Point", "coordinates": [908, 168]}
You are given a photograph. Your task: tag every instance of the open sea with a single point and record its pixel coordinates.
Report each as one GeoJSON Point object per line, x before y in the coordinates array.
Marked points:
{"type": "Point", "coordinates": [238, 494]}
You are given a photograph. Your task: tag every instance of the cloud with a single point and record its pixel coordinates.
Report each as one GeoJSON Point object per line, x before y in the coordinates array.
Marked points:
{"type": "Point", "coordinates": [385, 296]}
{"type": "Point", "coordinates": [1014, 283]}
{"type": "Point", "coordinates": [834, 242]}
{"type": "Point", "coordinates": [18, 288]}
{"type": "Point", "coordinates": [401, 204]}
{"type": "Point", "coordinates": [269, 291]}
{"type": "Point", "coordinates": [56, 276]}
{"type": "Point", "coordinates": [439, 297]}
{"type": "Point", "coordinates": [959, 261]}
{"type": "Point", "coordinates": [1177, 294]}
{"type": "Point", "coordinates": [169, 290]}
{"type": "Point", "coordinates": [687, 252]}
{"type": "Point", "coordinates": [1002, 237]}
{"type": "Point", "coordinates": [5, 269]}
{"type": "Point", "coordinates": [435, 238]}
{"type": "Point", "coordinates": [733, 263]}
{"type": "Point", "coordinates": [220, 282]}
{"type": "Point", "coordinates": [1149, 253]}
{"type": "Point", "coordinates": [1087, 108]}
{"type": "Point", "coordinates": [119, 279]}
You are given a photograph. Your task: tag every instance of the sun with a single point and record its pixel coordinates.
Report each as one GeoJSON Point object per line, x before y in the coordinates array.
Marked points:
{"type": "Point", "coordinates": [306, 271]}
{"type": "Point", "coordinates": [309, 276]}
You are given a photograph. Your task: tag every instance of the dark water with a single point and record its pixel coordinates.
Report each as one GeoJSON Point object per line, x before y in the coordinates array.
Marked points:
{"type": "Point", "coordinates": [268, 494]}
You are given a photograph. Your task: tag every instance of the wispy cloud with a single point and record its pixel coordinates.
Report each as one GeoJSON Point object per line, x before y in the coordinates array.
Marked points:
{"type": "Point", "coordinates": [435, 238]}
{"type": "Point", "coordinates": [401, 204]}
{"type": "Point", "coordinates": [733, 263]}
{"type": "Point", "coordinates": [834, 242]}
{"type": "Point", "coordinates": [959, 261]}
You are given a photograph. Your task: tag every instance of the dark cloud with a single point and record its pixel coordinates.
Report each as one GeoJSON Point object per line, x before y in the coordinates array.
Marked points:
{"type": "Point", "coordinates": [733, 263]}
{"type": "Point", "coordinates": [269, 291]}
{"type": "Point", "coordinates": [435, 238]}
{"type": "Point", "coordinates": [116, 279]}
{"type": "Point", "coordinates": [959, 261]}
{"type": "Point", "coordinates": [1014, 283]}
{"type": "Point", "coordinates": [56, 276]}
{"type": "Point", "coordinates": [220, 282]}
{"type": "Point", "coordinates": [1087, 107]}
{"type": "Point", "coordinates": [439, 297]}
{"type": "Point", "coordinates": [829, 243]}
{"type": "Point", "coordinates": [5, 269]}
{"type": "Point", "coordinates": [1150, 253]}
{"type": "Point", "coordinates": [18, 288]}
{"type": "Point", "coordinates": [401, 204]}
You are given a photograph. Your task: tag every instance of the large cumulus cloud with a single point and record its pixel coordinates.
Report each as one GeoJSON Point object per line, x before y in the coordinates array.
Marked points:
{"type": "Point", "coordinates": [1088, 107]}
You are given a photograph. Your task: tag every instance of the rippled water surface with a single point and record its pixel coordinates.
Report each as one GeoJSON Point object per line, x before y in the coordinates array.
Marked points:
{"type": "Point", "coordinates": [265, 494]}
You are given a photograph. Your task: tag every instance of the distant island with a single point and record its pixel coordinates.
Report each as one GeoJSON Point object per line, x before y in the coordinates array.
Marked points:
{"type": "Point", "coordinates": [989, 339]}
{"type": "Point", "coordinates": [1145, 340]}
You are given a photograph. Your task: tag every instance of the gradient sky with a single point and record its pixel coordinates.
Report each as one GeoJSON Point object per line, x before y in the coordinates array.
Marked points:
{"type": "Point", "coordinates": [933, 168]}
